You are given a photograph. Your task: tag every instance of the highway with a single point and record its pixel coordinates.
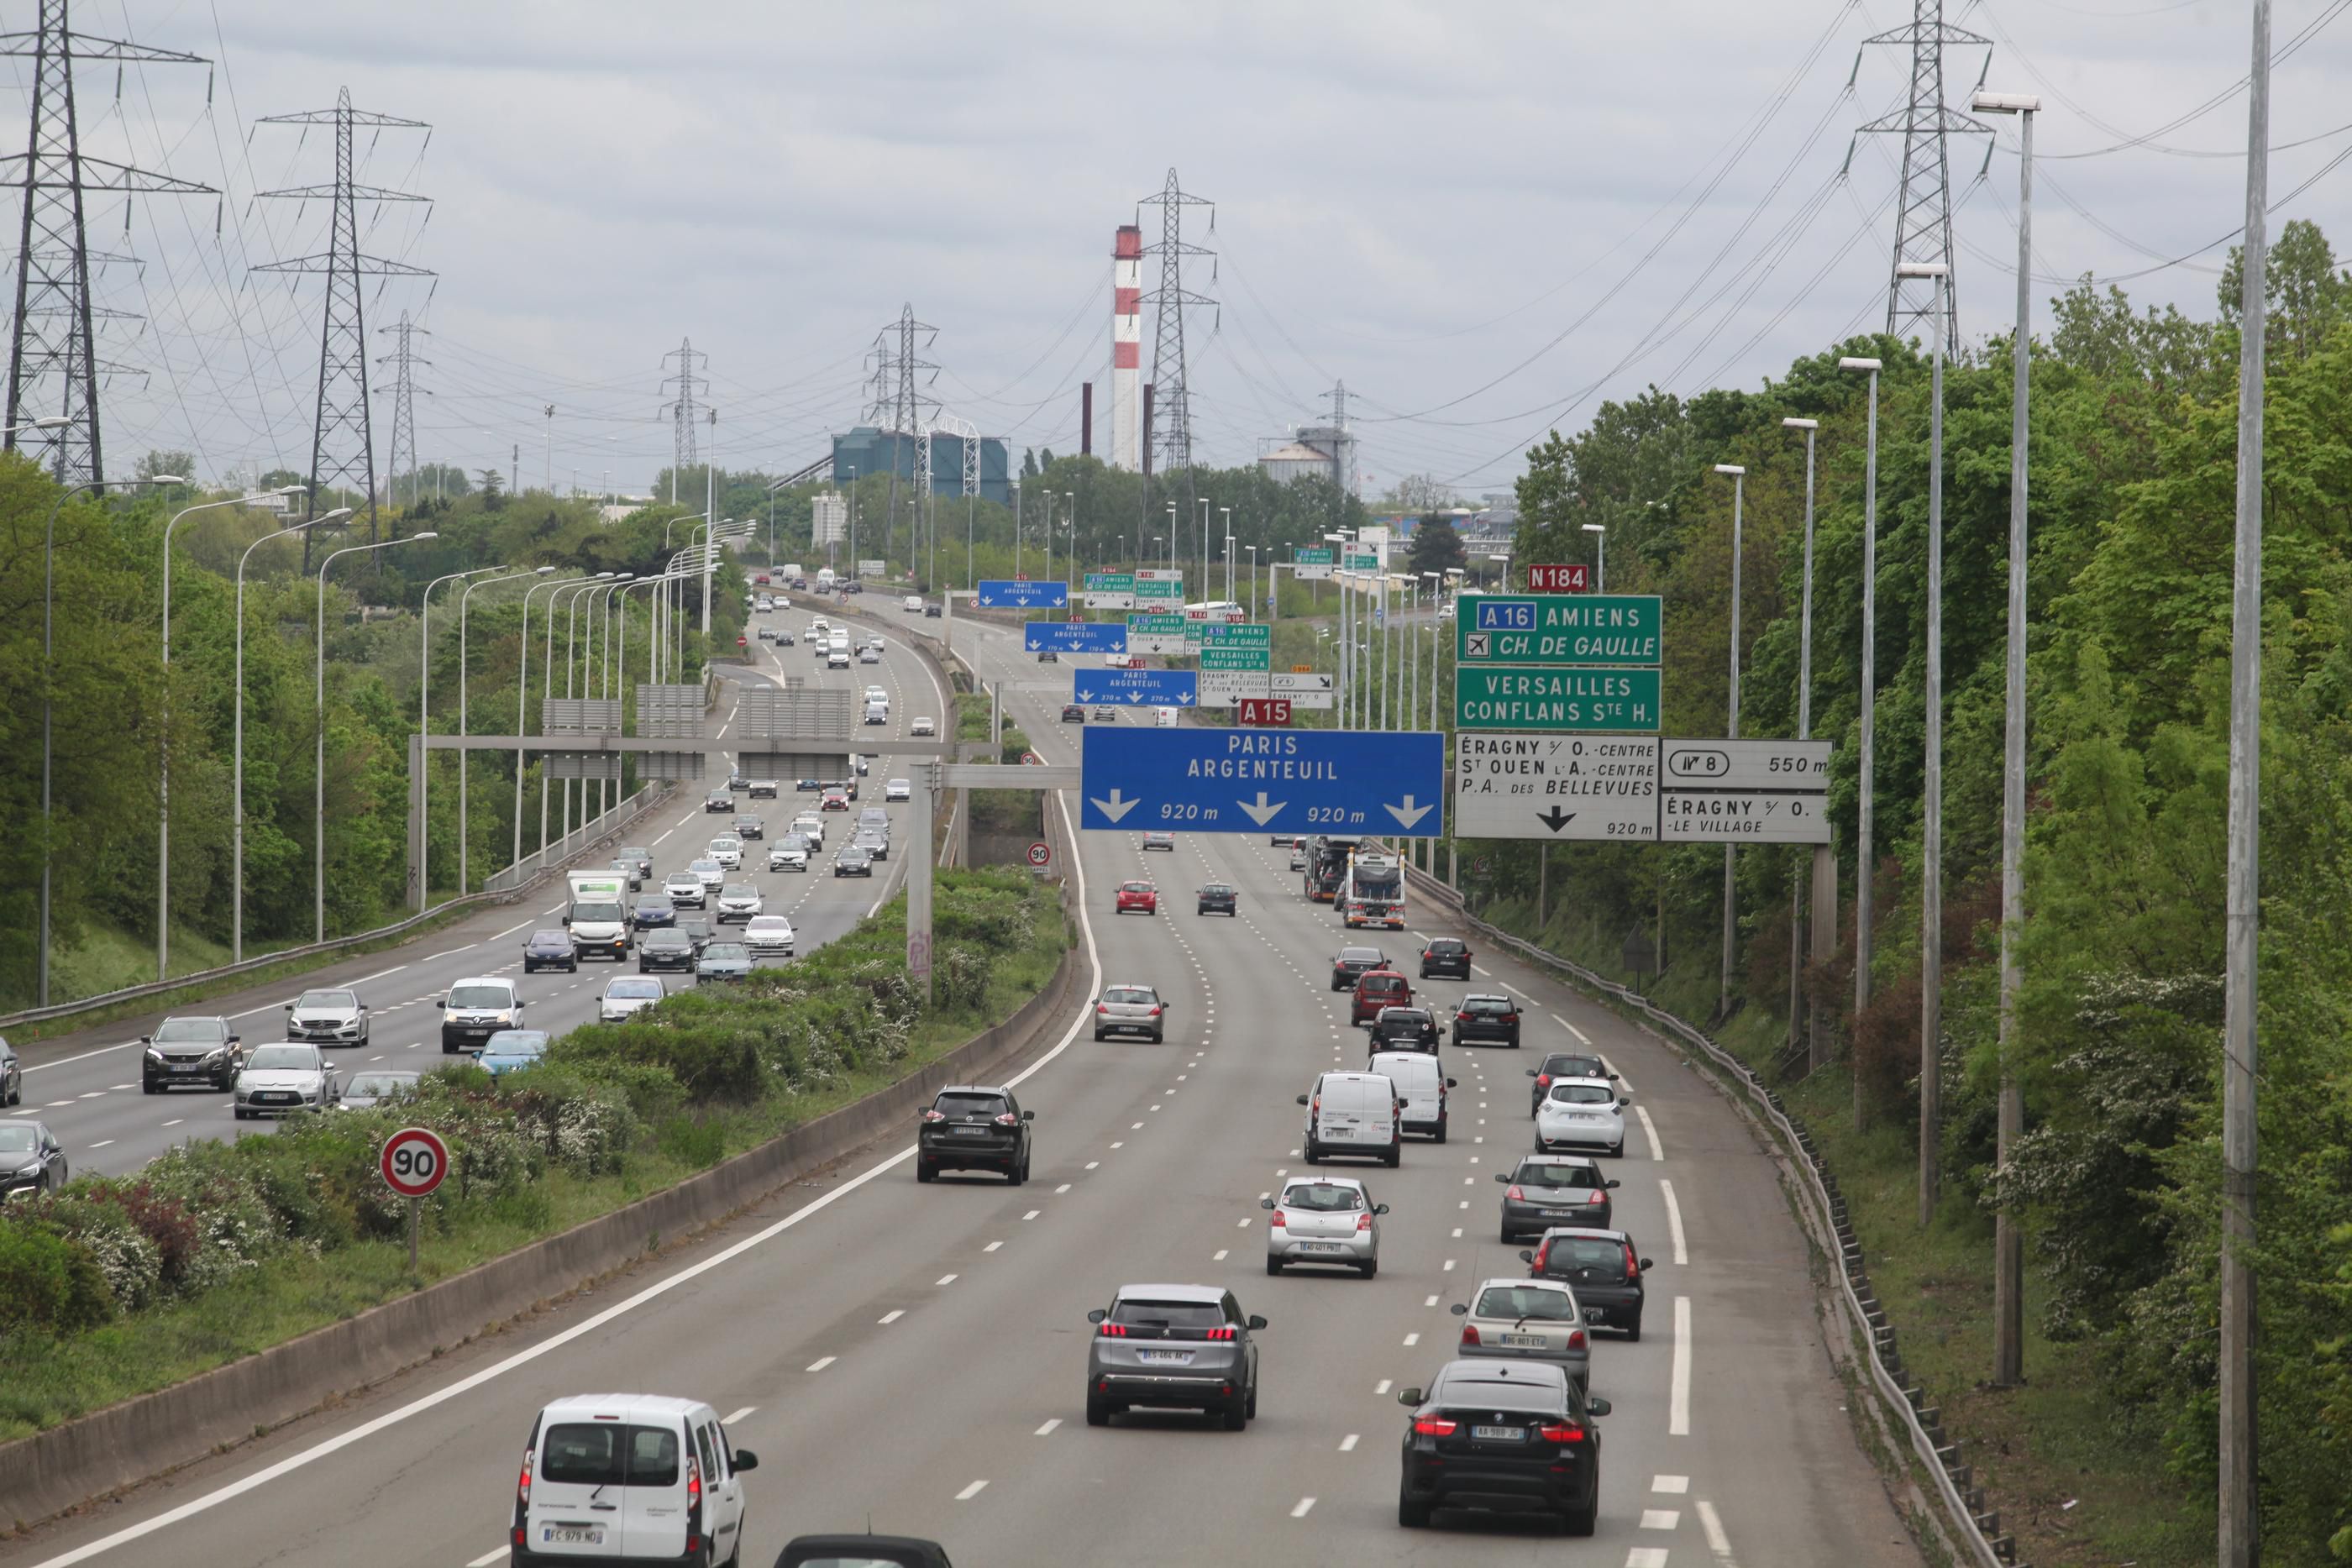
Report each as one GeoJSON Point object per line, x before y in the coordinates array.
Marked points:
{"type": "Point", "coordinates": [85, 1085]}
{"type": "Point", "coordinates": [912, 1355]}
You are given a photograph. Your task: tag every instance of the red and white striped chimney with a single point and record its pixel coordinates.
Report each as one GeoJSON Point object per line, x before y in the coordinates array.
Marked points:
{"type": "Point", "coordinates": [1127, 347]}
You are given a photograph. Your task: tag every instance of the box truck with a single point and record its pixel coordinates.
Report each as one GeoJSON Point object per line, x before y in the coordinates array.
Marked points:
{"type": "Point", "coordinates": [598, 914]}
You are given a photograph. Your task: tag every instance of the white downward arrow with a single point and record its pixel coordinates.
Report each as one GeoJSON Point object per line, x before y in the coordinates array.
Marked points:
{"type": "Point", "coordinates": [1118, 806]}
{"type": "Point", "coordinates": [1407, 814]}
{"type": "Point", "coordinates": [1262, 813]}
{"type": "Point", "coordinates": [1186, 698]}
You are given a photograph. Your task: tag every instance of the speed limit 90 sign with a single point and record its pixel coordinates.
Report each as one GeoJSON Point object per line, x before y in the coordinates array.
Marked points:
{"type": "Point", "coordinates": [414, 1161]}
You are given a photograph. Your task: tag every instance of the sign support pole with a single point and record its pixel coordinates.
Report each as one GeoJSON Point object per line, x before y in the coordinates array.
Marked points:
{"type": "Point", "coordinates": [919, 884]}
{"type": "Point", "coordinates": [412, 1236]}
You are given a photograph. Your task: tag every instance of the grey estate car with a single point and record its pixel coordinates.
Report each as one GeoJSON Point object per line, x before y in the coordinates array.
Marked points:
{"type": "Point", "coordinates": [1186, 1346]}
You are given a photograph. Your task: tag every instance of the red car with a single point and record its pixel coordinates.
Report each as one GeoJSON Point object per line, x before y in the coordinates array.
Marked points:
{"type": "Point", "coordinates": [1378, 989]}
{"type": "Point", "coordinates": [1140, 896]}
{"type": "Point", "coordinates": [834, 801]}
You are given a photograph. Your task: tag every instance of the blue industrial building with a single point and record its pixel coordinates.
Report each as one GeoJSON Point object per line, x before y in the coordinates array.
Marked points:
{"type": "Point", "coordinates": [867, 450]}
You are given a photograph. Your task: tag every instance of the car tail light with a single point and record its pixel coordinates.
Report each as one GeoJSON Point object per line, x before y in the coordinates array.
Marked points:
{"type": "Point", "coordinates": [1470, 1334]}
{"type": "Point", "coordinates": [1543, 1079]}
{"type": "Point", "coordinates": [1278, 1222]}
{"type": "Point", "coordinates": [1101, 1008]}
{"type": "Point", "coordinates": [1543, 1251]}
{"type": "Point", "coordinates": [1155, 1012]}
{"type": "Point", "coordinates": [1433, 1427]}
{"type": "Point", "coordinates": [935, 1116]}
{"type": "Point", "coordinates": [522, 1487]}
{"type": "Point", "coordinates": [1516, 1193]}
{"type": "Point", "coordinates": [1217, 1334]}
{"type": "Point", "coordinates": [693, 1504]}
{"type": "Point", "coordinates": [1363, 1222]}
{"type": "Point", "coordinates": [1632, 1264]}
{"type": "Point", "coordinates": [1460, 1018]}
{"type": "Point", "coordinates": [1596, 1198]}
{"type": "Point", "coordinates": [1317, 1108]}
{"type": "Point", "coordinates": [1566, 1432]}
{"type": "Point", "coordinates": [1112, 1330]}
{"type": "Point", "coordinates": [1510, 1017]}
{"type": "Point", "coordinates": [1576, 1339]}
{"type": "Point", "coordinates": [1008, 1120]}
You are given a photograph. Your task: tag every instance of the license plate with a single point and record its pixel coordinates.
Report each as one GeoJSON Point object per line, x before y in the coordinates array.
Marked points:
{"type": "Point", "coordinates": [1340, 1132]}
{"type": "Point", "coordinates": [1522, 1342]}
{"type": "Point", "coordinates": [1596, 1315]}
{"type": "Point", "coordinates": [187, 1067]}
{"type": "Point", "coordinates": [1166, 1357]}
{"type": "Point", "coordinates": [1498, 1434]}
{"type": "Point", "coordinates": [1322, 1247]}
{"type": "Point", "coordinates": [572, 1534]}
{"type": "Point", "coordinates": [971, 1131]}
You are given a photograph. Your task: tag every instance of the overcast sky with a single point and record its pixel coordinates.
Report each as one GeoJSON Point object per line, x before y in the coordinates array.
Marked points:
{"type": "Point", "coordinates": [1482, 215]}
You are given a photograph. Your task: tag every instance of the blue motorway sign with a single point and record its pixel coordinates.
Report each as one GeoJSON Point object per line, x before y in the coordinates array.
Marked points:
{"type": "Point", "coordinates": [1137, 688]}
{"type": "Point", "coordinates": [1297, 781]}
{"type": "Point", "coordinates": [1075, 637]}
{"type": "Point", "coordinates": [1014, 593]}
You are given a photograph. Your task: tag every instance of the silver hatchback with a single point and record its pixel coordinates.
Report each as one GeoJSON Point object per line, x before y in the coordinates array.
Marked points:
{"type": "Point", "coordinates": [1324, 1220]}
{"type": "Point", "coordinates": [1527, 1320]}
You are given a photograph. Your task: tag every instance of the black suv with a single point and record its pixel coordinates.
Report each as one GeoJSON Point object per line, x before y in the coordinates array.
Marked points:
{"type": "Point", "coordinates": [717, 801]}
{"type": "Point", "coordinates": [1404, 1029]}
{"type": "Point", "coordinates": [1074, 713]}
{"type": "Point", "coordinates": [1483, 1016]}
{"type": "Point", "coordinates": [1446, 956]}
{"type": "Point", "coordinates": [1491, 1433]}
{"type": "Point", "coordinates": [1563, 1064]}
{"type": "Point", "coordinates": [554, 950]}
{"type": "Point", "coordinates": [667, 949]}
{"type": "Point", "coordinates": [1219, 898]}
{"type": "Point", "coordinates": [972, 1127]}
{"type": "Point", "coordinates": [1602, 1266]}
{"type": "Point", "coordinates": [204, 1052]}
{"type": "Point", "coordinates": [1352, 962]}
{"type": "Point", "coordinates": [1554, 1189]}
{"type": "Point", "coordinates": [748, 827]}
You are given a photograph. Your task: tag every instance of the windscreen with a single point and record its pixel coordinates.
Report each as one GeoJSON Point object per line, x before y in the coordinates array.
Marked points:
{"type": "Point", "coordinates": [1322, 1197]}
{"type": "Point", "coordinates": [1583, 1094]}
{"type": "Point", "coordinates": [517, 1042]}
{"type": "Point", "coordinates": [590, 914]}
{"type": "Point", "coordinates": [634, 990]}
{"type": "Point", "coordinates": [479, 997]}
{"type": "Point", "coordinates": [1518, 1301]}
{"type": "Point", "coordinates": [383, 1085]}
{"type": "Point", "coordinates": [327, 1001]}
{"type": "Point", "coordinates": [727, 950]}
{"type": "Point", "coordinates": [184, 1031]}
{"type": "Point", "coordinates": [283, 1058]}
{"type": "Point", "coordinates": [16, 1140]}
{"type": "Point", "coordinates": [740, 890]}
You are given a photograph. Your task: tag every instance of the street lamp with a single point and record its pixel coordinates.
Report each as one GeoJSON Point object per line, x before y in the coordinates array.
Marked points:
{"type": "Point", "coordinates": [1599, 533]}
{"type": "Point", "coordinates": [2008, 1242]}
{"type": "Point", "coordinates": [611, 592]}
{"type": "Point", "coordinates": [464, 726]}
{"type": "Point", "coordinates": [522, 688]}
{"type": "Point", "coordinates": [1739, 496]}
{"type": "Point", "coordinates": [48, 679]}
{"type": "Point", "coordinates": [237, 838]}
{"type": "Point", "coordinates": [164, 780]}
{"type": "Point", "coordinates": [582, 587]}
{"type": "Point", "coordinates": [1868, 767]}
{"type": "Point", "coordinates": [547, 684]}
{"type": "Point", "coordinates": [319, 734]}
{"type": "Point", "coordinates": [424, 722]}
{"type": "Point", "coordinates": [1811, 428]}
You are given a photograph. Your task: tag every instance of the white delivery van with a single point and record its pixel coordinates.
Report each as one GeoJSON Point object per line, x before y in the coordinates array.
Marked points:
{"type": "Point", "coordinates": [789, 573]}
{"type": "Point", "coordinates": [1421, 1083]}
{"type": "Point", "coordinates": [637, 1478]}
{"type": "Point", "coordinates": [912, 604]}
{"type": "Point", "coordinates": [826, 581]}
{"type": "Point", "coordinates": [836, 651]}
{"type": "Point", "coordinates": [598, 914]}
{"type": "Point", "coordinates": [1164, 717]}
{"type": "Point", "coordinates": [1353, 1113]}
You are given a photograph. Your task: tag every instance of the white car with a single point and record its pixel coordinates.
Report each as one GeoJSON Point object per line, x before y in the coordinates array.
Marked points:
{"type": "Point", "coordinates": [788, 857]}
{"type": "Point", "coordinates": [869, 654]}
{"type": "Point", "coordinates": [659, 1469]}
{"type": "Point", "coordinates": [739, 901]}
{"type": "Point", "coordinates": [922, 727]}
{"type": "Point", "coordinates": [876, 695]}
{"type": "Point", "coordinates": [898, 790]}
{"type": "Point", "coordinates": [1581, 1112]}
{"type": "Point", "coordinates": [711, 873]}
{"type": "Point", "coordinates": [685, 887]}
{"type": "Point", "coordinates": [768, 934]}
{"type": "Point", "coordinates": [629, 994]}
{"type": "Point", "coordinates": [727, 852]}
{"type": "Point", "coordinates": [811, 825]}
{"type": "Point", "coordinates": [280, 1079]}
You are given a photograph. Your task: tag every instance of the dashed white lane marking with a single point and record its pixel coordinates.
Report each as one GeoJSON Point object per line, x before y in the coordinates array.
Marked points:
{"type": "Point", "coordinates": [487, 1558]}
{"type": "Point", "coordinates": [176, 1121]}
{"type": "Point", "coordinates": [1410, 1340]}
{"type": "Point", "coordinates": [945, 1280]}
{"type": "Point", "coordinates": [1033, 1214]}
{"type": "Point", "coordinates": [102, 1143]}
{"type": "Point", "coordinates": [731, 1420]}
{"type": "Point", "coordinates": [1717, 1541]}
{"type": "Point", "coordinates": [1064, 1188]}
{"type": "Point", "coordinates": [1678, 1387]}
{"type": "Point", "coordinates": [1430, 1303]}
{"type": "Point", "coordinates": [991, 1247]}
{"type": "Point", "coordinates": [1220, 1255]}
{"type": "Point", "coordinates": [1646, 1557]}
{"type": "Point", "coordinates": [1649, 1131]}
{"type": "Point", "coordinates": [892, 1316]}
{"type": "Point", "coordinates": [1382, 1386]}
{"type": "Point", "coordinates": [1093, 1165]}
{"type": "Point", "coordinates": [1299, 1509]}
{"type": "Point", "coordinates": [822, 1361]}
{"type": "Point", "coordinates": [1670, 1484]}
{"type": "Point", "coordinates": [1348, 1444]}
{"type": "Point", "coordinates": [1660, 1518]}
{"type": "Point", "coordinates": [1675, 1221]}
{"type": "Point", "coordinates": [971, 1491]}
{"type": "Point", "coordinates": [1048, 1429]}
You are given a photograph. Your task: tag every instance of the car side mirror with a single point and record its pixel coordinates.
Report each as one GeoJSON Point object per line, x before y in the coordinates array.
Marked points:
{"type": "Point", "coordinates": [567, 920]}
{"type": "Point", "coordinates": [1028, 1115]}
{"type": "Point", "coordinates": [1613, 1077]}
{"type": "Point", "coordinates": [1255, 1322]}
{"type": "Point", "coordinates": [1611, 1182]}
{"type": "Point", "coordinates": [1531, 1072]}
{"type": "Point", "coordinates": [286, 1006]}
{"type": "Point", "coordinates": [1647, 1263]}
{"type": "Point", "coordinates": [1503, 1176]}
{"type": "Point", "coordinates": [1408, 1396]}
{"type": "Point", "coordinates": [1597, 1408]}
{"type": "Point", "coordinates": [1096, 1315]}
{"type": "Point", "coordinates": [1623, 1102]}
{"type": "Point", "coordinates": [236, 1039]}
{"type": "Point", "coordinates": [1526, 1256]}
{"type": "Point", "coordinates": [149, 1040]}
{"type": "Point", "coordinates": [1302, 1098]}
{"type": "Point", "coordinates": [746, 1460]}
{"type": "Point", "coordinates": [1265, 1203]}
{"type": "Point", "coordinates": [1454, 1083]}
{"type": "Point", "coordinates": [1380, 1208]}
{"type": "Point", "coordinates": [1460, 1309]}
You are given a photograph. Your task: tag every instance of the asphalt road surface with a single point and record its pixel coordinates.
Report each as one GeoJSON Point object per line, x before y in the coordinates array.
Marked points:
{"type": "Point", "coordinates": [913, 1355]}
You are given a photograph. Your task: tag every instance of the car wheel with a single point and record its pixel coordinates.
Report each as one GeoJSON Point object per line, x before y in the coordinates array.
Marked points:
{"type": "Point", "coordinates": [1098, 1034]}
{"type": "Point", "coordinates": [1514, 1042]}
{"type": "Point", "coordinates": [1018, 1175]}
{"type": "Point", "coordinates": [1619, 1152]}
{"type": "Point", "coordinates": [1441, 1132]}
{"type": "Point", "coordinates": [1579, 1520]}
{"type": "Point", "coordinates": [1097, 1411]}
{"type": "Point", "coordinates": [1159, 1039]}
{"type": "Point", "coordinates": [1412, 1513]}
{"type": "Point", "coordinates": [1250, 1409]}
{"type": "Point", "coordinates": [926, 1171]}
{"type": "Point", "coordinates": [146, 1086]}
{"type": "Point", "coordinates": [1395, 1157]}
{"type": "Point", "coordinates": [1369, 1267]}
{"type": "Point", "coordinates": [1314, 1157]}
{"type": "Point", "coordinates": [1634, 1332]}
{"type": "Point", "coordinates": [1273, 1268]}
{"type": "Point", "coordinates": [1236, 1414]}
{"type": "Point", "coordinates": [240, 1112]}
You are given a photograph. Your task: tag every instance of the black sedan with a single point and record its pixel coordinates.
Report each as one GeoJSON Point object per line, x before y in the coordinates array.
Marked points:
{"type": "Point", "coordinates": [1219, 898]}
{"type": "Point", "coordinates": [1404, 1029]}
{"type": "Point", "coordinates": [31, 1159]}
{"type": "Point", "coordinates": [1485, 1016]}
{"type": "Point", "coordinates": [1446, 957]}
{"type": "Point", "coordinates": [807, 785]}
{"type": "Point", "coordinates": [671, 949]}
{"type": "Point", "coordinates": [1074, 713]}
{"type": "Point", "coordinates": [1352, 962]}
{"type": "Point", "coordinates": [1602, 1266]}
{"type": "Point", "coordinates": [750, 827]}
{"type": "Point", "coordinates": [1514, 1436]}
{"type": "Point", "coordinates": [1562, 1064]}
{"type": "Point", "coordinates": [1545, 1190]}
{"type": "Point", "coordinates": [718, 800]}
{"type": "Point", "coordinates": [695, 928]}
{"type": "Point", "coordinates": [853, 862]}
{"type": "Point", "coordinates": [550, 950]}
{"type": "Point", "coordinates": [655, 913]}
{"type": "Point", "coordinates": [970, 1127]}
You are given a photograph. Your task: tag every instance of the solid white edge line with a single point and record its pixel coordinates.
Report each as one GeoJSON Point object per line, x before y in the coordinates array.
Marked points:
{"type": "Point", "coordinates": [1678, 1384]}
{"type": "Point", "coordinates": [500, 935]}
{"type": "Point", "coordinates": [1674, 1221]}
{"type": "Point", "coordinates": [1650, 1130]}
{"type": "Point", "coordinates": [343, 1440]}
{"type": "Point", "coordinates": [487, 1558]}
{"type": "Point", "coordinates": [1717, 1541]}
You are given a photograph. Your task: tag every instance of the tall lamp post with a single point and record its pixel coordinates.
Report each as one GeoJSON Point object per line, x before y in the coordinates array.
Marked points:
{"type": "Point", "coordinates": [1867, 770]}
{"type": "Point", "coordinates": [547, 675]}
{"type": "Point", "coordinates": [2008, 1239]}
{"type": "Point", "coordinates": [163, 776]}
{"type": "Point", "coordinates": [319, 733]}
{"type": "Point", "coordinates": [1599, 532]}
{"type": "Point", "coordinates": [1811, 429]}
{"type": "Point", "coordinates": [1731, 921]}
{"type": "Point", "coordinates": [237, 831]}
{"type": "Point", "coordinates": [522, 690]}
{"type": "Point", "coordinates": [465, 729]}
{"type": "Point", "coordinates": [49, 682]}
{"type": "Point", "coordinates": [424, 720]}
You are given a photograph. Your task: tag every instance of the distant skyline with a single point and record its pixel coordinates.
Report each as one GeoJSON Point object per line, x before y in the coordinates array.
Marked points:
{"type": "Point", "coordinates": [1453, 208]}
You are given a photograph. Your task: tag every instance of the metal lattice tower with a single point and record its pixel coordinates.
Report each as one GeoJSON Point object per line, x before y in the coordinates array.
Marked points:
{"type": "Point", "coordinates": [898, 400]}
{"type": "Point", "coordinates": [1171, 410]}
{"type": "Point", "coordinates": [1343, 455]}
{"type": "Point", "coordinates": [402, 457]}
{"type": "Point", "coordinates": [681, 410]}
{"type": "Point", "coordinates": [1923, 217]}
{"type": "Point", "coordinates": [343, 438]}
{"type": "Point", "coordinates": [53, 363]}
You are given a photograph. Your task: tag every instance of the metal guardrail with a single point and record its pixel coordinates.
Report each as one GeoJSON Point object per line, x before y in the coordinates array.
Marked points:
{"type": "Point", "coordinates": [580, 836]}
{"type": "Point", "coordinates": [1976, 1530]}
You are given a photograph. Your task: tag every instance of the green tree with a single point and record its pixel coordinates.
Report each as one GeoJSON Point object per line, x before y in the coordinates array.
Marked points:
{"type": "Point", "coordinates": [1437, 546]}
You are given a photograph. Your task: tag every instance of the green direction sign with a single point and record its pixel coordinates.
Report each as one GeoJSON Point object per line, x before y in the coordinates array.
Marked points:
{"type": "Point", "coordinates": [1314, 557]}
{"type": "Point", "coordinates": [1235, 658]}
{"type": "Point", "coordinates": [1527, 699]}
{"type": "Point", "coordinates": [1149, 589]}
{"type": "Point", "coordinates": [1111, 582]}
{"type": "Point", "coordinates": [1616, 629]}
{"type": "Point", "coordinates": [1155, 625]}
{"type": "Point", "coordinates": [1237, 632]}
{"type": "Point", "coordinates": [1366, 560]}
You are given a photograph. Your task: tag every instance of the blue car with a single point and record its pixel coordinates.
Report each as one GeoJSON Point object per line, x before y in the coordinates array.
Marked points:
{"type": "Point", "coordinates": [512, 1051]}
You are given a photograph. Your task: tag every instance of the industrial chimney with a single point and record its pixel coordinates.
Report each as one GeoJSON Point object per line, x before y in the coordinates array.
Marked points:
{"type": "Point", "coordinates": [1125, 348]}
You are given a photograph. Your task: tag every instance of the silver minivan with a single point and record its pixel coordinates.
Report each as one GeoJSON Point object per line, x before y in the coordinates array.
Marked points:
{"type": "Point", "coordinates": [1421, 1083]}
{"type": "Point", "coordinates": [629, 1477]}
{"type": "Point", "coordinates": [1353, 1113]}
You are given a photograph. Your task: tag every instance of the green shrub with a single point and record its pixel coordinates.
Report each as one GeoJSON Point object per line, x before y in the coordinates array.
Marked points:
{"type": "Point", "coordinates": [692, 1142]}
{"type": "Point", "coordinates": [48, 1281]}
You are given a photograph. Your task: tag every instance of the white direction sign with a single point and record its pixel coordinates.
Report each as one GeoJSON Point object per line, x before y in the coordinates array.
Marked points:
{"type": "Point", "coordinates": [1301, 690]}
{"type": "Point", "coordinates": [1790, 765]}
{"type": "Point", "coordinates": [1545, 787]}
{"type": "Point", "coordinates": [1225, 688]}
{"type": "Point", "coordinates": [1744, 792]}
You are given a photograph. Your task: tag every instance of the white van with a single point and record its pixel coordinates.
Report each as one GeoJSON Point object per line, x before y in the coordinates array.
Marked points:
{"type": "Point", "coordinates": [836, 651]}
{"type": "Point", "coordinates": [1421, 1083]}
{"type": "Point", "coordinates": [912, 604]}
{"type": "Point", "coordinates": [1164, 717]}
{"type": "Point", "coordinates": [1353, 1113]}
{"type": "Point", "coordinates": [638, 1477]}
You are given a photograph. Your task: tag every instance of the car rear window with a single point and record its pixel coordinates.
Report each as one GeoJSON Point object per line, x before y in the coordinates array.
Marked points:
{"type": "Point", "coordinates": [1169, 1315]}
{"type": "Point", "coordinates": [1583, 1094]}
{"type": "Point", "coordinates": [970, 1105]}
{"type": "Point", "coordinates": [1361, 956]}
{"type": "Point", "coordinates": [1516, 1302]}
{"type": "Point", "coordinates": [606, 1453]}
{"type": "Point", "coordinates": [1411, 1017]}
{"type": "Point", "coordinates": [1322, 1197]}
{"type": "Point", "coordinates": [1445, 948]}
{"type": "Point", "coordinates": [1584, 1252]}
{"type": "Point", "coordinates": [1128, 994]}
{"type": "Point", "coordinates": [1575, 1067]}
{"type": "Point", "coordinates": [1557, 1175]}
{"type": "Point", "coordinates": [1490, 1007]}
